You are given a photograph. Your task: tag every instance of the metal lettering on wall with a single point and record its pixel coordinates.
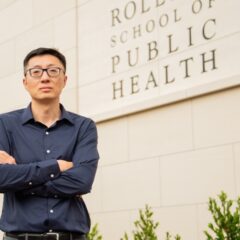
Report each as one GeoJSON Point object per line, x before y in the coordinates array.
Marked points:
{"type": "Point", "coordinates": [158, 48]}
{"type": "Point", "coordinates": [206, 31]}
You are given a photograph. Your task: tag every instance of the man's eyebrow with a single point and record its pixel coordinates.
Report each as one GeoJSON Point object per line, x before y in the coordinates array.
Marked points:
{"type": "Point", "coordinates": [39, 66]}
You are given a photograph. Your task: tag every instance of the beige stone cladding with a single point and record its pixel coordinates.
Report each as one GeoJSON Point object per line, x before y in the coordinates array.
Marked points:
{"type": "Point", "coordinates": [173, 159]}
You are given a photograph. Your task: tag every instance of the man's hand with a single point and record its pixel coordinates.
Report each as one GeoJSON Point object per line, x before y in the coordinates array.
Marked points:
{"type": "Point", "coordinates": [64, 165]}
{"type": "Point", "coordinates": [5, 158]}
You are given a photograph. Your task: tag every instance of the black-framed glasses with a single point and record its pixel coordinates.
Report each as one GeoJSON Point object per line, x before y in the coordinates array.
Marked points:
{"type": "Point", "coordinates": [38, 72]}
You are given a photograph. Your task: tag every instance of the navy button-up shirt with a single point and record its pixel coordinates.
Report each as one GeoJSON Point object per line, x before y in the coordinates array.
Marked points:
{"type": "Point", "coordinates": [37, 196]}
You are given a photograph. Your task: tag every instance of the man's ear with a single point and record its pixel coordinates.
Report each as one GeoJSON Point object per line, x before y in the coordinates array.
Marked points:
{"type": "Point", "coordinates": [65, 80]}
{"type": "Point", "coordinates": [24, 82]}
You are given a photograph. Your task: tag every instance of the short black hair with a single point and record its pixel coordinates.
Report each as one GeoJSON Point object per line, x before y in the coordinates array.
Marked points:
{"type": "Point", "coordinates": [45, 51]}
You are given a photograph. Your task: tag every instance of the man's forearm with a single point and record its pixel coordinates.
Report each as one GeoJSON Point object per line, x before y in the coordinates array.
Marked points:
{"type": "Point", "coordinates": [5, 158]}
{"type": "Point", "coordinates": [15, 177]}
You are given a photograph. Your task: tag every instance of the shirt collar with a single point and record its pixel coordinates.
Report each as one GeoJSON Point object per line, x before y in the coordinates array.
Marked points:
{"type": "Point", "coordinates": [65, 115]}
{"type": "Point", "coordinates": [28, 116]}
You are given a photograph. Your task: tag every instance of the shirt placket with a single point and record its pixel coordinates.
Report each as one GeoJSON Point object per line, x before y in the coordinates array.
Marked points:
{"type": "Point", "coordinates": [48, 148]}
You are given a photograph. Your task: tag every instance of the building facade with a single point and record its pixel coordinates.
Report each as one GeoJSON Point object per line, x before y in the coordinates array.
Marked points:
{"type": "Point", "coordinates": [161, 78]}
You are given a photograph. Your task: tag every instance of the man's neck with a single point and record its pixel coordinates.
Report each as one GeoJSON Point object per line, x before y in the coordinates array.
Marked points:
{"type": "Point", "coordinates": [46, 114]}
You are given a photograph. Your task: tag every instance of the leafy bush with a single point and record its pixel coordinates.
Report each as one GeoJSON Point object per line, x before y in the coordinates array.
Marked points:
{"type": "Point", "coordinates": [226, 224]}
{"type": "Point", "coordinates": [146, 227]}
{"type": "Point", "coordinates": [169, 237]}
{"type": "Point", "coordinates": [94, 234]}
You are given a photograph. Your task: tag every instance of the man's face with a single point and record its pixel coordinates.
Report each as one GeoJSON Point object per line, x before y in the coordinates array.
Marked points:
{"type": "Point", "coordinates": [44, 87]}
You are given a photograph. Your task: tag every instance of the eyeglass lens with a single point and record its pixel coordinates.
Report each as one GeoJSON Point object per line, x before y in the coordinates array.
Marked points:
{"type": "Point", "coordinates": [38, 72]}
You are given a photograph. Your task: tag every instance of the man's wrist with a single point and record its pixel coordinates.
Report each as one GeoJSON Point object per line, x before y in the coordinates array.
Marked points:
{"type": "Point", "coordinates": [64, 165]}
{"type": "Point", "coordinates": [5, 158]}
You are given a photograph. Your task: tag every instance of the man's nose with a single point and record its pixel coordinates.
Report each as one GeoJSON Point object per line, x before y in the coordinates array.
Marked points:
{"type": "Point", "coordinates": [45, 76]}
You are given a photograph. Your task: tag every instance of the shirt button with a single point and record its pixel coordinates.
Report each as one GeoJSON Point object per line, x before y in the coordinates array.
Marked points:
{"type": "Point", "coordinates": [46, 132]}
{"type": "Point", "coordinates": [30, 183]}
{"type": "Point", "coordinates": [32, 193]}
{"type": "Point", "coordinates": [51, 211]}
{"type": "Point", "coordinates": [55, 196]}
{"type": "Point", "coordinates": [48, 151]}
{"type": "Point", "coordinates": [52, 175]}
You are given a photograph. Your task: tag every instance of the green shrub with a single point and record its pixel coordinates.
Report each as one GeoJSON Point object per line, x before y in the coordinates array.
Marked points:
{"type": "Point", "coordinates": [226, 224]}
{"type": "Point", "coordinates": [94, 234]}
{"type": "Point", "coordinates": [145, 227]}
{"type": "Point", "coordinates": [169, 237]}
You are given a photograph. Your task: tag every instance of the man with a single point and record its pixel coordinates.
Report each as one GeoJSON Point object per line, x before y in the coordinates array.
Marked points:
{"type": "Point", "coordinates": [48, 158]}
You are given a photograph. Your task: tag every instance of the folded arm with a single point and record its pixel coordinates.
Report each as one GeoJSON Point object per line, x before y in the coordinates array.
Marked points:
{"type": "Point", "coordinates": [79, 178]}
{"type": "Point", "coordinates": [15, 177]}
